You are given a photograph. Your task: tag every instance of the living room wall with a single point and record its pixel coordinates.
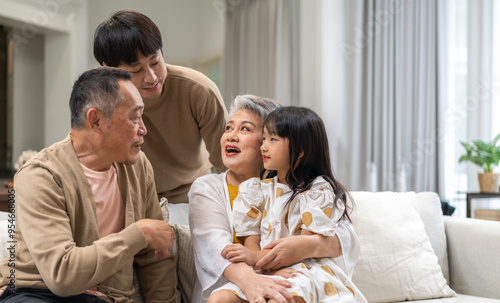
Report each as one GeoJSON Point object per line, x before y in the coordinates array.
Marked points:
{"type": "Point", "coordinates": [47, 57]}
{"type": "Point", "coordinates": [192, 31]}
{"type": "Point", "coordinates": [53, 41]}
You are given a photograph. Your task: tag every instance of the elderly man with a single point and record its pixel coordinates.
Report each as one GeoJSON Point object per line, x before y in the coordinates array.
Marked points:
{"type": "Point", "coordinates": [87, 208]}
{"type": "Point", "coordinates": [184, 111]}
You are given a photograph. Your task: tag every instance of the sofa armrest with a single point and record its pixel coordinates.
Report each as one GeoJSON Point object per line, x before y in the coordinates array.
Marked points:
{"type": "Point", "coordinates": [473, 248]}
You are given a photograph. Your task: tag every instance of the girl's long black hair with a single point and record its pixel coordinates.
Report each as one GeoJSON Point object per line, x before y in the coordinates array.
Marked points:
{"type": "Point", "coordinates": [306, 133]}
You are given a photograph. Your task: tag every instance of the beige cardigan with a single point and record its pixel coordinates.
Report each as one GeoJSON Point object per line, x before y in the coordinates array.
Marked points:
{"type": "Point", "coordinates": [57, 239]}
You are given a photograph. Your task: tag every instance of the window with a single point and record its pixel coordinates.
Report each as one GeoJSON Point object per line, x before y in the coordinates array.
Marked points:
{"type": "Point", "coordinates": [461, 178]}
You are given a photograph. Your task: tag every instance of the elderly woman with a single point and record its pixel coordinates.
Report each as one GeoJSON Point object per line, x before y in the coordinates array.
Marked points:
{"type": "Point", "coordinates": [210, 215]}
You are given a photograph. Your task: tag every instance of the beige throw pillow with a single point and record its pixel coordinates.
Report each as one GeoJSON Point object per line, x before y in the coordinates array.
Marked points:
{"type": "Point", "coordinates": [396, 261]}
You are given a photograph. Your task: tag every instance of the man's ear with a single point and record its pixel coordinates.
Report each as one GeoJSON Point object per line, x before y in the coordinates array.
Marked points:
{"type": "Point", "coordinates": [94, 119]}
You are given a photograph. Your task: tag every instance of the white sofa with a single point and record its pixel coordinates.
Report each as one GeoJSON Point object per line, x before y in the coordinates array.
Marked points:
{"type": "Point", "coordinates": [461, 253]}
{"type": "Point", "coordinates": [403, 238]}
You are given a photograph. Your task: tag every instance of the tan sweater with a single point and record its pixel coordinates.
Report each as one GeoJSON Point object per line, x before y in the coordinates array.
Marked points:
{"type": "Point", "coordinates": [184, 126]}
{"type": "Point", "coordinates": [58, 245]}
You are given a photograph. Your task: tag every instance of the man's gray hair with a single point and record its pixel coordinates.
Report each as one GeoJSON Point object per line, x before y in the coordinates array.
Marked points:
{"type": "Point", "coordinates": [255, 104]}
{"type": "Point", "coordinates": [96, 88]}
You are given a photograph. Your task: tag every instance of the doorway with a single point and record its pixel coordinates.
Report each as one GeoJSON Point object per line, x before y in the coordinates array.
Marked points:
{"type": "Point", "coordinates": [5, 103]}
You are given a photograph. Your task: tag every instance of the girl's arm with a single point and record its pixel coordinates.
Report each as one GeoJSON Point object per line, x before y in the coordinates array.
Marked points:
{"type": "Point", "coordinates": [291, 250]}
{"type": "Point", "coordinates": [342, 245]}
{"type": "Point", "coordinates": [249, 254]}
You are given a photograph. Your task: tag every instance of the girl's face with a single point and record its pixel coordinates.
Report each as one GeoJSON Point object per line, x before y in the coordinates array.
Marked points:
{"type": "Point", "coordinates": [276, 154]}
{"type": "Point", "coordinates": [240, 144]}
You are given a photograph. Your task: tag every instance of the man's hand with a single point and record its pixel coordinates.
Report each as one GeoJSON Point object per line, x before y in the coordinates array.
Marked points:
{"type": "Point", "coordinates": [159, 236]}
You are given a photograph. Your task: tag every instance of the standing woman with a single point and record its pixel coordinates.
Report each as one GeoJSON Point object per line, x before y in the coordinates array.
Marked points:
{"type": "Point", "coordinates": [210, 215]}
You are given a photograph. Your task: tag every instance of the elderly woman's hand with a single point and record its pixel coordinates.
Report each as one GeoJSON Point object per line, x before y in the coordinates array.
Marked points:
{"type": "Point", "coordinates": [291, 250]}
{"type": "Point", "coordinates": [258, 287]}
{"type": "Point", "coordinates": [262, 287]}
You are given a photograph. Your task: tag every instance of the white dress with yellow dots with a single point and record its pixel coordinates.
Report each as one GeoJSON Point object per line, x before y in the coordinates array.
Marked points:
{"type": "Point", "coordinates": [262, 208]}
{"type": "Point", "coordinates": [211, 225]}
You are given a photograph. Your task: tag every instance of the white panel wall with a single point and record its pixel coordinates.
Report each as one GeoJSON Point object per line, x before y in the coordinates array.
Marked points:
{"type": "Point", "coordinates": [47, 59]}
{"type": "Point", "coordinates": [210, 32]}
{"type": "Point", "coordinates": [334, 82]}
{"type": "Point", "coordinates": [310, 54]}
{"type": "Point", "coordinates": [54, 46]}
{"type": "Point", "coordinates": [191, 29]}
{"type": "Point", "coordinates": [28, 92]}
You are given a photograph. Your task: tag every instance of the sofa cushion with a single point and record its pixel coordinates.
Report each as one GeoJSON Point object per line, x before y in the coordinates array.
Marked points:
{"type": "Point", "coordinates": [397, 261]}
{"type": "Point", "coordinates": [186, 270]}
{"type": "Point", "coordinates": [457, 299]}
{"type": "Point", "coordinates": [431, 213]}
{"type": "Point", "coordinates": [473, 248]}
{"type": "Point", "coordinates": [177, 216]}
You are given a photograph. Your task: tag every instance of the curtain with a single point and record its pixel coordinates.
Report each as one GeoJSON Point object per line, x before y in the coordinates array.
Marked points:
{"type": "Point", "coordinates": [261, 50]}
{"type": "Point", "coordinates": [395, 64]}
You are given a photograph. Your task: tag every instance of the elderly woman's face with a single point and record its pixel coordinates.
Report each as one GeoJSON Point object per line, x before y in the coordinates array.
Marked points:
{"type": "Point", "coordinates": [241, 142]}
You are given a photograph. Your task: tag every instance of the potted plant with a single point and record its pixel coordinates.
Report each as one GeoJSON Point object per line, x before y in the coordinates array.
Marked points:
{"type": "Point", "coordinates": [486, 156]}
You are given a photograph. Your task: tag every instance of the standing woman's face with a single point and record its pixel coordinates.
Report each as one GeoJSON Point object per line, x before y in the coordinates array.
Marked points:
{"type": "Point", "coordinates": [240, 144]}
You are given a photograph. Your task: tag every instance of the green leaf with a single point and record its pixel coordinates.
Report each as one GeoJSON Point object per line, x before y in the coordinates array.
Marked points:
{"type": "Point", "coordinates": [486, 155]}
{"type": "Point", "coordinates": [494, 142]}
{"type": "Point", "coordinates": [482, 146]}
{"type": "Point", "coordinates": [495, 153]}
{"type": "Point", "coordinates": [467, 146]}
{"type": "Point", "coordinates": [463, 158]}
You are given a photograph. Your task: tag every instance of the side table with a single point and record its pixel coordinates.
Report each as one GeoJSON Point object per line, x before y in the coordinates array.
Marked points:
{"type": "Point", "coordinates": [476, 195]}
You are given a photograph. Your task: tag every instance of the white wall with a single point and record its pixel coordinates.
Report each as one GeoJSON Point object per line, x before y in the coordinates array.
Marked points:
{"type": "Point", "coordinates": [334, 84]}
{"type": "Point", "coordinates": [322, 68]}
{"type": "Point", "coordinates": [310, 55]}
{"type": "Point", "coordinates": [47, 59]}
{"type": "Point", "coordinates": [210, 33]}
{"type": "Point", "coordinates": [191, 29]}
{"type": "Point", "coordinates": [54, 45]}
{"type": "Point", "coordinates": [28, 91]}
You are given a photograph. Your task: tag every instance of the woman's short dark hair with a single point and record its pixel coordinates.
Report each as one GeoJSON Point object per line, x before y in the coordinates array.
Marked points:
{"type": "Point", "coordinates": [96, 88]}
{"type": "Point", "coordinates": [123, 36]}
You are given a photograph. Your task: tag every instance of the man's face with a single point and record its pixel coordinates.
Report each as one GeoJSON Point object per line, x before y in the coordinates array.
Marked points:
{"type": "Point", "coordinates": [148, 74]}
{"type": "Point", "coordinates": [124, 132]}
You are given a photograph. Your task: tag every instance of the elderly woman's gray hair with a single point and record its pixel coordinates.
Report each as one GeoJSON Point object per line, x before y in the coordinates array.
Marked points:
{"type": "Point", "coordinates": [255, 104]}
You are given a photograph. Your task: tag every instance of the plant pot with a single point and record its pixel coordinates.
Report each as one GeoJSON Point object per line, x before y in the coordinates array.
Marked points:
{"type": "Point", "coordinates": [488, 182]}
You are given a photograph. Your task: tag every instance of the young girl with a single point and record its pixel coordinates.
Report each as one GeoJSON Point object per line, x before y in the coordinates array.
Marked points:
{"type": "Point", "coordinates": [303, 198]}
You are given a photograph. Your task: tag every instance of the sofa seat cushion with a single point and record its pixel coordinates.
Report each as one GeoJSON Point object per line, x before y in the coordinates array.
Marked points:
{"type": "Point", "coordinates": [397, 261]}
{"type": "Point", "coordinates": [458, 299]}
